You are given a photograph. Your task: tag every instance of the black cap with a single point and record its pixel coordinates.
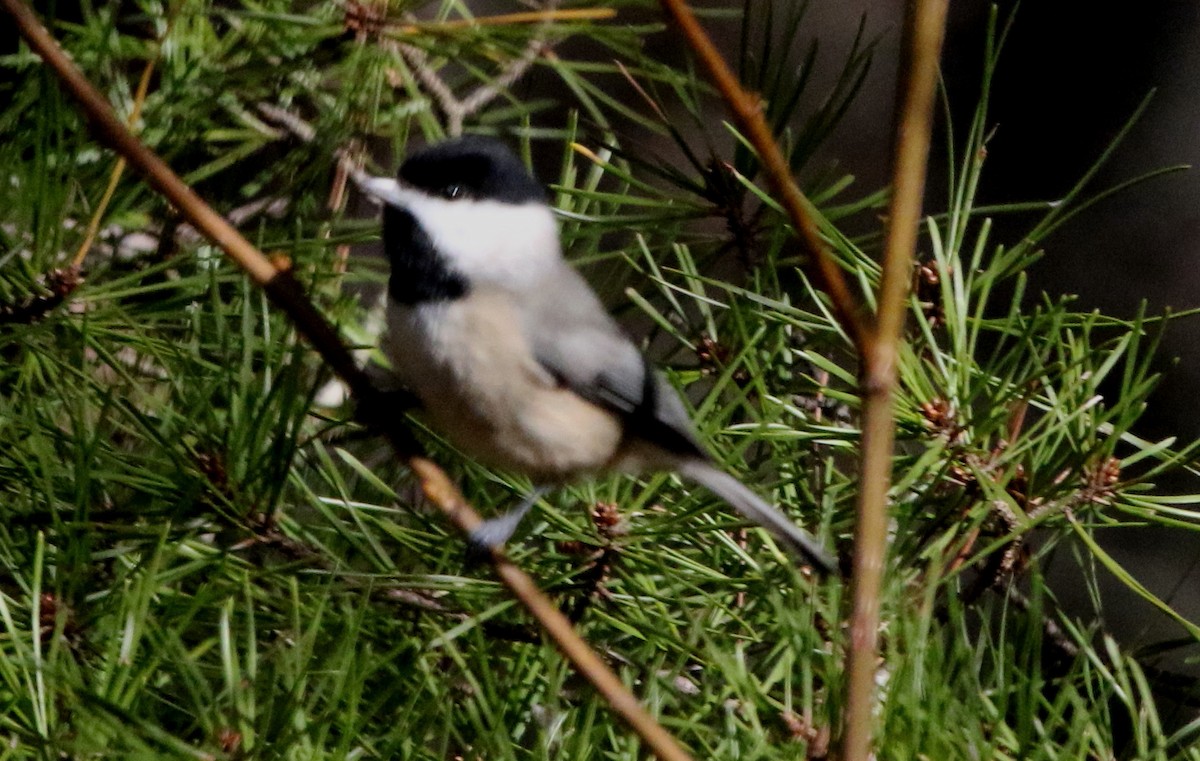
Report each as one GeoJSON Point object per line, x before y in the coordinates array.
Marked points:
{"type": "Point", "coordinates": [472, 167]}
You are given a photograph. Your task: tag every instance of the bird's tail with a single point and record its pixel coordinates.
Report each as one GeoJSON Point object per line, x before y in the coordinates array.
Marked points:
{"type": "Point", "coordinates": [751, 506]}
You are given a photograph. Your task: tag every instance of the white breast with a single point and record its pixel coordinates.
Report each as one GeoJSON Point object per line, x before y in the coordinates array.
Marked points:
{"type": "Point", "coordinates": [481, 387]}
{"type": "Point", "coordinates": [504, 244]}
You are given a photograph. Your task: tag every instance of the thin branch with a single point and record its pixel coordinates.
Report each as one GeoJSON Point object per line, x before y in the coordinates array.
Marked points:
{"type": "Point", "coordinates": [118, 169]}
{"type": "Point", "coordinates": [457, 110]}
{"type": "Point", "coordinates": [876, 343]}
{"type": "Point", "coordinates": [747, 111]}
{"type": "Point", "coordinates": [921, 49]}
{"type": "Point", "coordinates": [418, 61]}
{"type": "Point", "coordinates": [513, 70]}
{"type": "Point", "coordinates": [337, 192]}
{"type": "Point", "coordinates": [287, 294]}
{"type": "Point", "coordinates": [505, 19]}
{"type": "Point", "coordinates": [337, 202]}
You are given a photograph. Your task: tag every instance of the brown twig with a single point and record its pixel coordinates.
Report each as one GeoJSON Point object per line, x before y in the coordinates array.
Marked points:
{"type": "Point", "coordinates": [915, 91]}
{"type": "Point", "coordinates": [876, 342]}
{"type": "Point", "coordinates": [748, 113]}
{"type": "Point", "coordinates": [287, 294]}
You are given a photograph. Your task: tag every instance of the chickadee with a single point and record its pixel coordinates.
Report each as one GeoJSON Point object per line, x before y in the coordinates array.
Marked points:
{"type": "Point", "coordinates": [509, 351]}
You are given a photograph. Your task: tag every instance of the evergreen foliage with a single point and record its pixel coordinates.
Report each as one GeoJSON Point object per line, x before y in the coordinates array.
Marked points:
{"type": "Point", "coordinates": [200, 561]}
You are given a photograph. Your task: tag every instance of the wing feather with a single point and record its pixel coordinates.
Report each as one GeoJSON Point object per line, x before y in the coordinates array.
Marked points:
{"type": "Point", "coordinates": [576, 340]}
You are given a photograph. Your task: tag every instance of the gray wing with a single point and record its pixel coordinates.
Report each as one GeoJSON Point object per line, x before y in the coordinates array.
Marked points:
{"type": "Point", "coordinates": [578, 343]}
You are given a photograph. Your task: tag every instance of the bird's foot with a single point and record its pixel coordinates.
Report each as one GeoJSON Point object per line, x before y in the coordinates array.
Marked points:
{"type": "Point", "coordinates": [493, 533]}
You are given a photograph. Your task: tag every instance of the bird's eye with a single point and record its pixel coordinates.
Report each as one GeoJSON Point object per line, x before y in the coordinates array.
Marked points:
{"type": "Point", "coordinates": [451, 192]}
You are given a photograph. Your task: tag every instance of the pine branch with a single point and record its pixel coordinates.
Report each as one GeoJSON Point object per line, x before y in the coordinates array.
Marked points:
{"type": "Point", "coordinates": [747, 110]}
{"type": "Point", "coordinates": [457, 110]}
{"type": "Point", "coordinates": [288, 295]}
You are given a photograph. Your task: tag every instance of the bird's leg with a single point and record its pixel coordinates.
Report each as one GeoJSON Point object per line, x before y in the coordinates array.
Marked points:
{"type": "Point", "coordinates": [383, 404]}
{"type": "Point", "coordinates": [494, 532]}
{"type": "Point", "coordinates": [386, 400]}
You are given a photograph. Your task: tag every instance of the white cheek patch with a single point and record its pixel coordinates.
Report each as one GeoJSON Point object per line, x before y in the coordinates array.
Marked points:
{"type": "Point", "coordinates": [507, 244]}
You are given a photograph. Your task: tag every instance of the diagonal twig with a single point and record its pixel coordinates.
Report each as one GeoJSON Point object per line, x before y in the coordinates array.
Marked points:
{"type": "Point", "coordinates": [748, 112]}
{"type": "Point", "coordinates": [286, 292]}
{"type": "Point", "coordinates": [875, 340]}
